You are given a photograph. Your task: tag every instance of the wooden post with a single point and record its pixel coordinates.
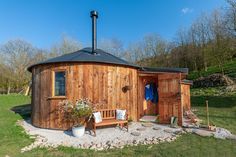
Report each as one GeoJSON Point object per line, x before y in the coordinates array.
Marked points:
{"type": "Point", "coordinates": [207, 112]}
{"type": "Point", "coordinates": [27, 90]}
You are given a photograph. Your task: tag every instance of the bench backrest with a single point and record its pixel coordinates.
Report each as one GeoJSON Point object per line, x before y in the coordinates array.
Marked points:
{"type": "Point", "coordinates": [108, 113]}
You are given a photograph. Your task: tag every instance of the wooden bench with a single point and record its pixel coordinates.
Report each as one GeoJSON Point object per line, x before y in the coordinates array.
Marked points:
{"type": "Point", "coordinates": [109, 118]}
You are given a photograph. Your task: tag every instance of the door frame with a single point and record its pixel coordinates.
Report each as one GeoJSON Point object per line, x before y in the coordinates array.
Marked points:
{"type": "Point", "coordinates": [141, 87]}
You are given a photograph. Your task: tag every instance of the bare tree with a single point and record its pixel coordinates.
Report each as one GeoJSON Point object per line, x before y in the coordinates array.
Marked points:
{"type": "Point", "coordinates": [6, 78]}
{"type": "Point", "coordinates": [219, 34]}
{"type": "Point", "coordinates": [152, 50]}
{"type": "Point", "coordinates": [200, 36]}
{"type": "Point", "coordinates": [66, 45]}
{"type": "Point", "coordinates": [136, 53]}
{"type": "Point", "coordinates": [155, 45]}
{"type": "Point", "coordinates": [17, 55]}
{"type": "Point", "coordinates": [230, 17]}
{"type": "Point", "coordinates": [113, 46]}
{"type": "Point", "coordinates": [181, 53]}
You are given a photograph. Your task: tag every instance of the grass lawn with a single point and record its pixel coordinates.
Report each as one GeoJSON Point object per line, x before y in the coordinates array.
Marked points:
{"type": "Point", "coordinates": [222, 106]}
{"type": "Point", "coordinates": [222, 112]}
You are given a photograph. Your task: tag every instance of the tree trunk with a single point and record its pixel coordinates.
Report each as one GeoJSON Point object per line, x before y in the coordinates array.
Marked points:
{"type": "Point", "coordinates": [205, 66]}
{"type": "Point", "coordinates": [195, 66]}
{"type": "Point", "coordinates": [221, 66]}
{"type": "Point", "coordinates": [8, 88]}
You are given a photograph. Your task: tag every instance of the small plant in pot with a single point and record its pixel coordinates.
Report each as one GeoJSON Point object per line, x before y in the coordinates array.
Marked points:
{"type": "Point", "coordinates": [78, 113]}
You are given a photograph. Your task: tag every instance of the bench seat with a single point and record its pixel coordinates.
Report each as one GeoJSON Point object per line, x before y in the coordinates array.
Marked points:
{"type": "Point", "coordinates": [109, 118]}
{"type": "Point", "coordinates": [110, 122]}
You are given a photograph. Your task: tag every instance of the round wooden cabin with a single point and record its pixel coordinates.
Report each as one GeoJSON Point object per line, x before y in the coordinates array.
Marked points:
{"type": "Point", "coordinates": [102, 78]}
{"type": "Point", "coordinates": [99, 76]}
{"type": "Point", "coordinates": [108, 81]}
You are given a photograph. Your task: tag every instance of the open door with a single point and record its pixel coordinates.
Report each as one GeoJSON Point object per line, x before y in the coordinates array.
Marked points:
{"type": "Point", "coordinates": [169, 97]}
{"type": "Point", "coordinates": [185, 95]}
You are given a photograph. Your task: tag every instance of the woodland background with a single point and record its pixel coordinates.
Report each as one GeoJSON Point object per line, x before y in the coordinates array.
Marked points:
{"type": "Point", "coordinates": [210, 41]}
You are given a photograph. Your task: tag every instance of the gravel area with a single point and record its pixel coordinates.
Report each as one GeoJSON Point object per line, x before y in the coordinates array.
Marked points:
{"type": "Point", "coordinates": [107, 138]}
{"type": "Point", "coordinates": [220, 133]}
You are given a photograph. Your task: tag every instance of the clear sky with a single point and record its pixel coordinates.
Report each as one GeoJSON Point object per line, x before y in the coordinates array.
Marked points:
{"type": "Point", "coordinates": [42, 22]}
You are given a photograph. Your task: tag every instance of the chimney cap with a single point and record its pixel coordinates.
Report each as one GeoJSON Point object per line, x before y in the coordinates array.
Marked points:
{"type": "Point", "coordinates": [94, 13]}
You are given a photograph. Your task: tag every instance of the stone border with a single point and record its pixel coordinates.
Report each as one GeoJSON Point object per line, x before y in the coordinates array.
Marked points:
{"type": "Point", "coordinates": [118, 143]}
{"type": "Point", "coordinates": [41, 142]}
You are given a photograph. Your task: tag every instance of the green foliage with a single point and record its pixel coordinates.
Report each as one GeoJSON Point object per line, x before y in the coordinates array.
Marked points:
{"type": "Point", "coordinates": [229, 70]}
{"type": "Point", "coordinates": [211, 91]}
{"type": "Point", "coordinates": [77, 112]}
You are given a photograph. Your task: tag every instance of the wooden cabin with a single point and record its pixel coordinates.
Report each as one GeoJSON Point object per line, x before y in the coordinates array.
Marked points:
{"type": "Point", "coordinates": [103, 78]}
{"type": "Point", "coordinates": [106, 80]}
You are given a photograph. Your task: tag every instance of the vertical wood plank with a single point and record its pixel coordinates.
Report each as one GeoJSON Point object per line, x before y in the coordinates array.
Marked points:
{"type": "Point", "coordinates": [99, 82]}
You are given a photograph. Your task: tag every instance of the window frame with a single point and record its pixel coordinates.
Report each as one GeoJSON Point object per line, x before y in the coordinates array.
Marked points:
{"type": "Point", "coordinates": [54, 81]}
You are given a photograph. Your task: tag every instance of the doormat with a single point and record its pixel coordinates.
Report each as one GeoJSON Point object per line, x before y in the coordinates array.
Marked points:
{"type": "Point", "coordinates": [148, 119]}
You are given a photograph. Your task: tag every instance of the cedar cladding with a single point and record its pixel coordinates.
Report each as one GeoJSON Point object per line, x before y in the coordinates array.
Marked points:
{"type": "Point", "coordinates": [101, 83]}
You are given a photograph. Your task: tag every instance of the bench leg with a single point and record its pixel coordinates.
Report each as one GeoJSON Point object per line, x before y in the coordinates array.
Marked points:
{"type": "Point", "coordinates": [121, 126]}
{"type": "Point", "coordinates": [94, 130]}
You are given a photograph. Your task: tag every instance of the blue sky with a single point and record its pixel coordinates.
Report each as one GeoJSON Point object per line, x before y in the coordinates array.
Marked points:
{"type": "Point", "coordinates": [43, 22]}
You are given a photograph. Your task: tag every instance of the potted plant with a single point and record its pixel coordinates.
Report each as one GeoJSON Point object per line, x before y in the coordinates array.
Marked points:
{"type": "Point", "coordinates": [78, 113]}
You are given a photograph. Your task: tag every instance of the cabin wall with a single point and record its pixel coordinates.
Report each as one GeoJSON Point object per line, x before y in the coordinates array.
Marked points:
{"type": "Point", "coordinates": [102, 83]}
{"type": "Point", "coordinates": [185, 97]}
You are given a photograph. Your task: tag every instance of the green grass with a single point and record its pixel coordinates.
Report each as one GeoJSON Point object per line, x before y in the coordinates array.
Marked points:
{"type": "Point", "coordinates": [222, 106]}
{"type": "Point", "coordinates": [222, 112]}
{"type": "Point", "coordinates": [229, 70]}
{"type": "Point", "coordinates": [12, 137]}
{"type": "Point", "coordinates": [187, 145]}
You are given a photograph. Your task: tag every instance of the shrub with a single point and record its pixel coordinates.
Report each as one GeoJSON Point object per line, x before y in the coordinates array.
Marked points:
{"type": "Point", "coordinates": [78, 112]}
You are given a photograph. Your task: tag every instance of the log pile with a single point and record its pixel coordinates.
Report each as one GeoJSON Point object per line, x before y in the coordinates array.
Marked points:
{"type": "Point", "coordinates": [213, 80]}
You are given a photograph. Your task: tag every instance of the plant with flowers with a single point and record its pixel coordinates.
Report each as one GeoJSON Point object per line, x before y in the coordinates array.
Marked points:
{"type": "Point", "coordinates": [77, 112]}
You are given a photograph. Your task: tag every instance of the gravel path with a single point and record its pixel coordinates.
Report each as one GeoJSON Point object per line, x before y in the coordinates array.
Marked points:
{"type": "Point", "coordinates": [112, 137]}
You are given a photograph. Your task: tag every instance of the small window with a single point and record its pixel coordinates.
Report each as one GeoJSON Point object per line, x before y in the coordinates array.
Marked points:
{"type": "Point", "coordinates": [60, 82]}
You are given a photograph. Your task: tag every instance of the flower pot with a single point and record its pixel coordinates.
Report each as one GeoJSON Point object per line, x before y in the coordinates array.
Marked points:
{"type": "Point", "coordinates": [78, 131]}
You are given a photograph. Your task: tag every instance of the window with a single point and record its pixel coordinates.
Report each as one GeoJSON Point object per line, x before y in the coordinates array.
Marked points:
{"type": "Point", "coordinates": [60, 81]}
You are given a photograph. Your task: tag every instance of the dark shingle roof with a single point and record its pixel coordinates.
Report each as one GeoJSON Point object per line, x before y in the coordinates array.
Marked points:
{"type": "Point", "coordinates": [190, 82]}
{"type": "Point", "coordinates": [164, 69]}
{"type": "Point", "coordinates": [86, 55]}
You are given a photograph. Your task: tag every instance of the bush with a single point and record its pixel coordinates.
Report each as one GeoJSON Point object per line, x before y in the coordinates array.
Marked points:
{"type": "Point", "coordinates": [78, 112]}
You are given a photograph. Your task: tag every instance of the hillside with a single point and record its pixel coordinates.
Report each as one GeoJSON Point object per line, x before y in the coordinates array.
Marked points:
{"type": "Point", "coordinates": [229, 70]}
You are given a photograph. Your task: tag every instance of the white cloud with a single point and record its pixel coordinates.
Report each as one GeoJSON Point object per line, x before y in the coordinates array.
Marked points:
{"type": "Point", "coordinates": [186, 10]}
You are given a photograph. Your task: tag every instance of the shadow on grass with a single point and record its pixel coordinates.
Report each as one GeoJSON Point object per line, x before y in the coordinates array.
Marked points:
{"type": "Point", "coordinates": [214, 101]}
{"type": "Point", "coordinates": [23, 110]}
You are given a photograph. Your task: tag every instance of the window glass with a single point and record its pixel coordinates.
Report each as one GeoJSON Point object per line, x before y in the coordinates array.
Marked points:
{"type": "Point", "coordinates": [60, 81]}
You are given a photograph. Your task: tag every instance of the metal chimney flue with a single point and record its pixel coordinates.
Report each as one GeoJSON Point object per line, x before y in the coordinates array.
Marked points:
{"type": "Point", "coordinates": [94, 16]}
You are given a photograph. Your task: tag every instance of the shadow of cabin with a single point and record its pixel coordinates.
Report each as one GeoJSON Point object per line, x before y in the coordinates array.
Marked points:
{"type": "Point", "coordinates": [23, 110]}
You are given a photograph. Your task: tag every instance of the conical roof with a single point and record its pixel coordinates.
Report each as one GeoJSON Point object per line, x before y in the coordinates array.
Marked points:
{"type": "Point", "coordinates": [86, 55]}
